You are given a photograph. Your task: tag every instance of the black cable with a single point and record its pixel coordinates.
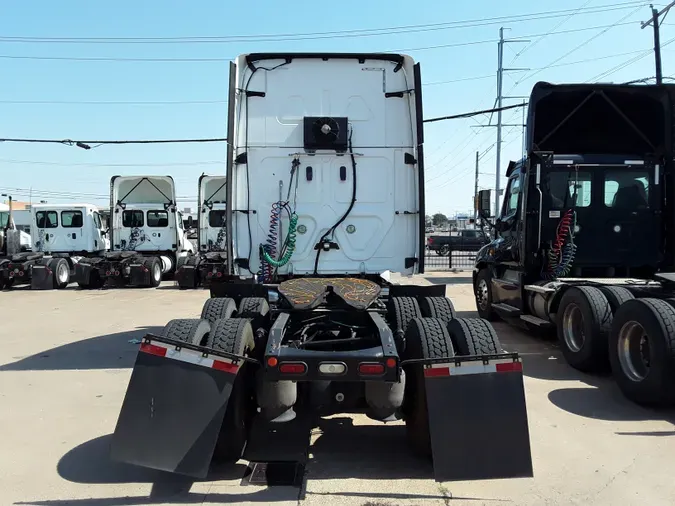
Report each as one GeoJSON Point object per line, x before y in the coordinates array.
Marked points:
{"type": "Point", "coordinates": [349, 209]}
{"type": "Point", "coordinates": [474, 113]}
{"type": "Point", "coordinates": [367, 32]}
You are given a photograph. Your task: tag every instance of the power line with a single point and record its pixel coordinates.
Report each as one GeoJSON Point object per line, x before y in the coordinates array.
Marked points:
{"type": "Point", "coordinates": [369, 32]}
{"type": "Point", "coordinates": [474, 113]}
{"type": "Point", "coordinates": [87, 144]}
{"type": "Point", "coordinates": [142, 164]}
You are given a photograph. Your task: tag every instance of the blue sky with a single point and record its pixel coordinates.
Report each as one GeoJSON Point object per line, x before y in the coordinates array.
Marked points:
{"type": "Point", "coordinates": [83, 96]}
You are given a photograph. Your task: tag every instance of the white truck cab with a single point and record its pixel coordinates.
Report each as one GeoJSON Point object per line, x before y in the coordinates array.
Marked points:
{"type": "Point", "coordinates": [209, 264]}
{"type": "Point", "coordinates": [6, 221]}
{"type": "Point", "coordinates": [147, 235]}
{"type": "Point", "coordinates": [69, 228]}
{"type": "Point", "coordinates": [62, 235]}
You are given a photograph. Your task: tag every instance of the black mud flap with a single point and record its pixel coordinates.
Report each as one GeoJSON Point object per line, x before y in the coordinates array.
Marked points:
{"type": "Point", "coordinates": [173, 408]}
{"type": "Point", "coordinates": [186, 276]}
{"type": "Point", "coordinates": [478, 419]}
{"type": "Point", "coordinates": [82, 273]}
{"type": "Point", "coordinates": [42, 278]}
{"type": "Point", "coordinates": [139, 275]}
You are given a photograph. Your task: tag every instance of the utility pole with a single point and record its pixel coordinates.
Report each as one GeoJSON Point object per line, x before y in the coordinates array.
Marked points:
{"type": "Point", "coordinates": [475, 191]}
{"type": "Point", "coordinates": [500, 100]}
{"type": "Point", "coordinates": [657, 37]}
{"type": "Point", "coordinates": [500, 79]}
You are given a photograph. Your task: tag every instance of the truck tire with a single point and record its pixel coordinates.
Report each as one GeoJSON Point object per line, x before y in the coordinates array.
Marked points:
{"type": "Point", "coordinates": [218, 308]}
{"type": "Point", "coordinates": [443, 250]}
{"type": "Point", "coordinates": [483, 294]}
{"type": "Point", "coordinates": [437, 307]}
{"type": "Point", "coordinates": [642, 351]}
{"type": "Point", "coordinates": [61, 272]}
{"type": "Point", "coordinates": [584, 318]}
{"type": "Point", "coordinates": [616, 295]}
{"type": "Point", "coordinates": [235, 335]}
{"type": "Point", "coordinates": [187, 330]}
{"type": "Point", "coordinates": [154, 265]}
{"type": "Point", "coordinates": [402, 310]}
{"type": "Point", "coordinates": [425, 338]}
{"type": "Point", "coordinates": [474, 336]}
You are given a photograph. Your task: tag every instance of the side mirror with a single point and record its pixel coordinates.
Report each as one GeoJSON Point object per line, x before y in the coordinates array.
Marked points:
{"type": "Point", "coordinates": [482, 203]}
{"type": "Point", "coordinates": [190, 222]}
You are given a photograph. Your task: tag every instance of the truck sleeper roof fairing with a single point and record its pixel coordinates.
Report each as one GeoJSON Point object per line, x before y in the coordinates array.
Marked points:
{"type": "Point", "coordinates": [600, 119]}
{"type": "Point", "coordinates": [307, 122]}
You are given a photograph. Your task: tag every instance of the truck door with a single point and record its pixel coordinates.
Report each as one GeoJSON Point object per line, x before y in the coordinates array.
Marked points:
{"type": "Point", "coordinates": [98, 233]}
{"type": "Point", "coordinates": [70, 236]}
{"type": "Point", "coordinates": [46, 224]}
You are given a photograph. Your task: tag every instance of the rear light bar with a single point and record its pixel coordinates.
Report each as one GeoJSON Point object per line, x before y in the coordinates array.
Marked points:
{"type": "Point", "coordinates": [473, 368]}
{"type": "Point", "coordinates": [332, 368]}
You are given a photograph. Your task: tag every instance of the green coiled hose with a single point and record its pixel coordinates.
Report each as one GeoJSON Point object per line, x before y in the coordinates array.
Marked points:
{"type": "Point", "coordinates": [290, 245]}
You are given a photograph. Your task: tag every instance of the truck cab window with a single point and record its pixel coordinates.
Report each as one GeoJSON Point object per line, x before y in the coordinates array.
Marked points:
{"type": "Point", "coordinates": [560, 187]}
{"type": "Point", "coordinates": [627, 189]}
{"type": "Point", "coordinates": [159, 219]}
{"type": "Point", "coordinates": [47, 219]}
{"type": "Point", "coordinates": [97, 221]}
{"type": "Point", "coordinates": [511, 198]}
{"type": "Point", "coordinates": [4, 219]}
{"type": "Point", "coordinates": [132, 218]}
{"type": "Point", "coordinates": [71, 219]}
{"type": "Point", "coordinates": [216, 218]}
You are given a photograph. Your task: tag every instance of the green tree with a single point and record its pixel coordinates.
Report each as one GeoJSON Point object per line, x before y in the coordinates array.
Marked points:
{"type": "Point", "coordinates": [439, 219]}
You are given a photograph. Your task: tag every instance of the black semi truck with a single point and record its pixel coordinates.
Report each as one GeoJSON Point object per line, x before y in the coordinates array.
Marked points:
{"type": "Point", "coordinates": [585, 241]}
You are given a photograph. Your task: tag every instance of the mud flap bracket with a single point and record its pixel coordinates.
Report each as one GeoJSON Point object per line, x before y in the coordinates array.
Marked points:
{"type": "Point", "coordinates": [174, 407]}
{"type": "Point", "coordinates": [478, 419]}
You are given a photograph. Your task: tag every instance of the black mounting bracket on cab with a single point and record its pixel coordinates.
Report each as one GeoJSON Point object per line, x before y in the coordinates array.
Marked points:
{"type": "Point", "coordinates": [325, 133]}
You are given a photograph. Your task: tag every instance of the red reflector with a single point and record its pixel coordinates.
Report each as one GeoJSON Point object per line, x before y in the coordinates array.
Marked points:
{"type": "Point", "coordinates": [371, 369]}
{"type": "Point", "coordinates": [510, 367]}
{"type": "Point", "coordinates": [209, 274]}
{"type": "Point", "coordinates": [219, 274]}
{"type": "Point", "coordinates": [20, 273]}
{"type": "Point", "coordinates": [107, 273]}
{"type": "Point", "coordinates": [225, 366]}
{"type": "Point", "coordinates": [272, 362]}
{"type": "Point", "coordinates": [391, 363]}
{"type": "Point", "coordinates": [290, 368]}
{"type": "Point", "coordinates": [436, 371]}
{"type": "Point", "coordinates": [153, 349]}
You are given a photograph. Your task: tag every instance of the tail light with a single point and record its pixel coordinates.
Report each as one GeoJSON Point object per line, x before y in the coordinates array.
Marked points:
{"type": "Point", "coordinates": [209, 274]}
{"type": "Point", "coordinates": [21, 273]}
{"type": "Point", "coordinates": [293, 368]}
{"type": "Point", "coordinates": [371, 369]}
{"type": "Point", "coordinates": [219, 274]}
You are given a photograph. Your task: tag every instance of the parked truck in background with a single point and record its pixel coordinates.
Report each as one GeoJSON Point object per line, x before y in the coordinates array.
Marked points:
{"type": "Point", "coordinates": [586, 235]}
{"type": "Point", "coordinates": [465, 240]}
{"type": "Point", "coordinates": [209, 264]}
{"type": "Point", "coordinates": [324, 198]}
{"type": "Point", "coordinates": [146, 235]}
{"type": "Point", "coordinates": [7, 222]}
{"type": "Point", "coordinates": [62, 235]}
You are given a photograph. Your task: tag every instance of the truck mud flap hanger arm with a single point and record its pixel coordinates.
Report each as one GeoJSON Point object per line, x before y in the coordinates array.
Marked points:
{"type": "Point", "coordinates": [174, 406]}
{"type": "Point", "coordinates": [477, 417]}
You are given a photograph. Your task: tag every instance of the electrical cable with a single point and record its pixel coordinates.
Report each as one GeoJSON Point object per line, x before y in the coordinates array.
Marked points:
{"type": "Point", "coordinates": [368, 32]}
{"type": "Point", "coordinates": [331, 230]}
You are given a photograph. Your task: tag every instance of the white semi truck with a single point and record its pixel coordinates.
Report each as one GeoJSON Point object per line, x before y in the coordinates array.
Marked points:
{"type": "Point", "coordinates": [62, 235]}
{"type": "Point", "coordinates": [209, 265]}
{"type": "Point", "coordinates": [146, 235]}
{"type": "Point", "coordinates": [6, 221]}
{"type": "Point", "coordinates": [324, 194]}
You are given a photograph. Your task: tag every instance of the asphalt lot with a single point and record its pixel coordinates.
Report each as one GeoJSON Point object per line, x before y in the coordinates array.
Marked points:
{"type": "Point", "coordinates": [65, 362]}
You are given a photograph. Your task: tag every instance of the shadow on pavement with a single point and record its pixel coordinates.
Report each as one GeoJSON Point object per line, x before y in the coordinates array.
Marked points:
{"type": "Point", "coordinates": [453, 280]}
{"type": "Point", "coordinates": [380, 451]}
{"type": "Point", "coordinates": [111, 351]}
{"type": "Point", "coordinates": [606, 402]}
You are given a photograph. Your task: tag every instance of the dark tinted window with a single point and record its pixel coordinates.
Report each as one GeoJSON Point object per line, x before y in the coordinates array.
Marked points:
{"type": "Point", "coordinates": [47, 219]}
{"type": "Point", "coordinates": [216, 218]}
{"type": "Point", "coordinates": [132, 218]}
{"type": "Point", "coordinates": [71, 219]}
{"type": "Point", "coordinates": [158, 219]}
{"type": "Point", "coordinates": [627, 189]}
{"type": "Point", "coordinates": [97, 221]}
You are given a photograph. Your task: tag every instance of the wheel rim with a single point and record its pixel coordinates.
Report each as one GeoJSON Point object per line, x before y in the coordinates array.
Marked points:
{"type": "Point", "coordinates": [573, 327]}
{"type": "Point", "coordinates": [156, 272]}
{"type": "Point", "coordinates": [634, 351]}
{"type": "Point", "coordinates": [482, 295]}
{"type": "Point", "coordinates": [62, 273]}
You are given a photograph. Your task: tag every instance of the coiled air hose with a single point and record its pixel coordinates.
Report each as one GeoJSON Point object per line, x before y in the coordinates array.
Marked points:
{"type": "Point", "coordinates": [289, 245]}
